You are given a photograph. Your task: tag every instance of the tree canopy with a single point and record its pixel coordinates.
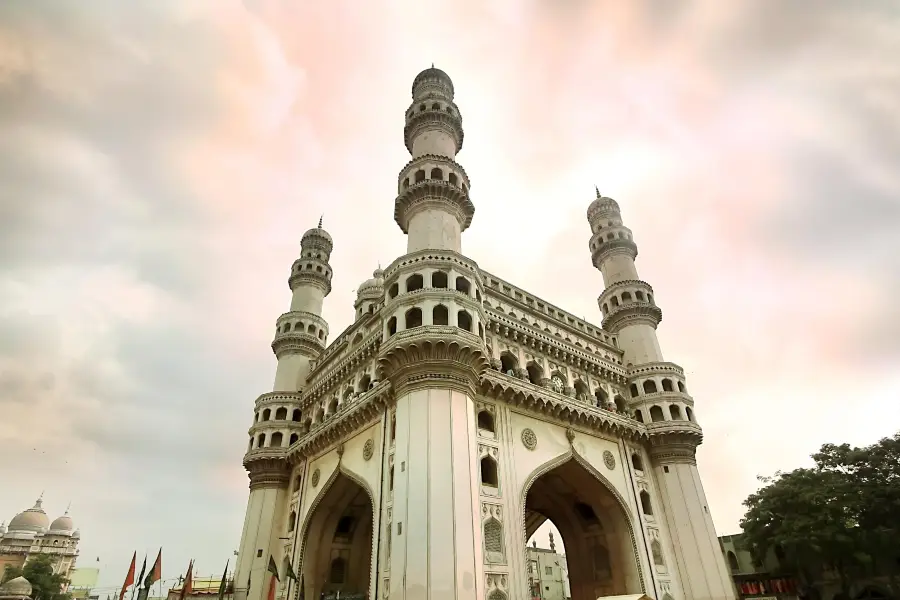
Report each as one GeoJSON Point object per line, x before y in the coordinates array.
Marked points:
{"type": "Point", "coordinates": [843, 514]}
{"type": "Point", "coordinates": [38, 570]}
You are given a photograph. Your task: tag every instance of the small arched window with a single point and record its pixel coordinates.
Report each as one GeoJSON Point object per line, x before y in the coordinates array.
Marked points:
{"type": "Point", "coordinates": [464, 320]}
{"type": "Point", "coordinates": [486, 421]}
{"type": "Point", "coordinates": [463, 285]}
{"type": "Point", "coordinates": [649, 387]}
{"type": "Point", "coordinates": [680, 387]}
{"type": "Point", "coordinates": [392, 326]}
{"type": "Point", "coordinates": [292, 521]}
{"type": "Point", "coordinates": [276, 439]}
{"type": "Point", "coordinates": [440, 315]}
{"type": "Point", "coordinates": [638, 416]}
{"type": "Point", "coordinates": [535, 373]}
{"type": "Point", "coordinates": [420, 175]}
{"type": "Point", "coordinates": [414, 282]}
{"type": "Point", "coordinates": [452, 178]}
{"type": "Point", "coordinates": [413, 318]}
{"type": "Point", "coordinates": [296, 416]}
{"type": "Point", "coordinates": [281, 414]}
{"type": "Point", "coordinates": [439, 280]}
{"type": "Point", "coordinates": [636, 462]}
{"type": "Point", "coordinates": [437, 173]}
{"type": "Point", "coordinates": [620, 404]}
{"type": "Point", "coordinates": [508, 362]}
{"type": "Point", "coordinates": [601, 396]}
{"type": "Point", "coordinates": [675, 412]}
{"type": "Point", "coordinates": [689, 413]}
{"type": "Point", "coordinates": [489, 475]}
{"type": "Point", "coordinates": [633, 390]}
{"type": "Point", "coordinates": [267, 414]}
{"type": "Point", "coordinates": [363, 384]}
{"type": "Point", "coordinates": [656, 414]}
{"type": "Point", "coordinates": [667, 385]}
{"type": "Point", "coordinates": [293, 439]}
{"type": "Point", "coordinates": [393, 291]}
{"type": "Point", "coordinates": [733, 561]}
{"type": "Point", "coordinates": [646, 507]}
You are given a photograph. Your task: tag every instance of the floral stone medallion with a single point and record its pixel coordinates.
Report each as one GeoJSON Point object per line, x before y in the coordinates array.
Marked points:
{"type": "Point", "coordinates": [529, 439]}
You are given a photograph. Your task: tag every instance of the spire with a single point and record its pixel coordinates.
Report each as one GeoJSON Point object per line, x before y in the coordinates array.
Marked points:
{"type": "Point", "coordinates": [68, 507]}
{"type": "Point", "coordinates": [320, 220]}
{"type": "Point", "coordinates": [596, 189]}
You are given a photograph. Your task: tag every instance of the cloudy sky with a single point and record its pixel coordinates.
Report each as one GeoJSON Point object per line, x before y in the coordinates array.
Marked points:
{"type": "Point", "coordinates": [159, 161]}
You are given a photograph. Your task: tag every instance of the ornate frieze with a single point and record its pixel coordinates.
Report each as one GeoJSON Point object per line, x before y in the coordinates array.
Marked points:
{"type": "Point", "coordinates": [267, 471]}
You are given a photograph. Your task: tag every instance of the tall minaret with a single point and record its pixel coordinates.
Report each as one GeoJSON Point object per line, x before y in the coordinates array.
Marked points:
{"type": "Point", "coordinates": [659, 393]}
{"type": "Point", "coordinates": [433, 353]}
{"type": "Point", "coordinates": [433, 206]}
{"type": "Point", "coordinates": [300, 337]}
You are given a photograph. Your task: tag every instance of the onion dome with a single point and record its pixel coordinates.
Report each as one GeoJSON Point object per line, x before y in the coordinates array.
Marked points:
{"type": "Point", "coordinates": [62, 524]}
{"type": "Point", "coordinates": [317, 234]}
{"type": "Point", "coordinates": [34, 519]}
{"type": "Point", "coordinates": [432, 74]}
{"type": "Point", "coordinates": [601, 204]}
{"type": "Point", "coordinates": [16, 587]}
{"type": "Point", "coordinates": [371, 290]}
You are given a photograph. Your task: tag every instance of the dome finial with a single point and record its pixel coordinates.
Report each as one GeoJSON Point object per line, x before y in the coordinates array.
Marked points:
{"type": "Point", "coordinates": [68, 507]}
{"type": "Point", "coordinates": [320, 220]}
{"type": "Point", "coordinates": [596, 189]}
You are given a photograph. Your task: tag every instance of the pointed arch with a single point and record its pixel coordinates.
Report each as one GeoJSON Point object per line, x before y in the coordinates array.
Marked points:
{"type": "Point", "coordinates": [628, 515]}
{"type": "Point", "coordinates": [338, 471]}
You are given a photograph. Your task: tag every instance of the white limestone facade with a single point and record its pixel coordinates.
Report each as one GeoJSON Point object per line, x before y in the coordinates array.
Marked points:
{"type": "Point", "coordinates": [414, 455]}
{"type": "Point", "coordinates": [31, 533]}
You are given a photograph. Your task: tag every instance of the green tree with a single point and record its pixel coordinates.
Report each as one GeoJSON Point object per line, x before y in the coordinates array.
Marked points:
{"type": "Point", "coordinates": [843, 514]}
{"type": "Point", "coordinates": [45, 584]}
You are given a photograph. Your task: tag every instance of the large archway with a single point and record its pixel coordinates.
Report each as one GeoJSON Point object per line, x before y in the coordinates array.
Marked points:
{"type": "Point", "coordinates": [594, 527]}
{"type": "Point", "coordinates": [337, 544]}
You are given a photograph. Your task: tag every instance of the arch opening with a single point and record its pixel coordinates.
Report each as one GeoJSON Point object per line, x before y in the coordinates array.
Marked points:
{"type": "Point", "coordinates": [594, 528]}
{"type": "Point", "coordinates": [337, 549]}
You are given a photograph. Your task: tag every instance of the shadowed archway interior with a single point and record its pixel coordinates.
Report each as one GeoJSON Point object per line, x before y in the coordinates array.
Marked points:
{"type": "Point", "coordinates": [594, 530]}
{"type": "Point", "coordinates": [338, 546]}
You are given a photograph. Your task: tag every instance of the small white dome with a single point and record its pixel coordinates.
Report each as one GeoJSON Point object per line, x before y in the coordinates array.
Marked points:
{"type": "Point", "coordinates": [33, 519]}
{"type": "Point", "coordinates": [18, 586]}
{"type": "Point", "coordinates": [371, 289]}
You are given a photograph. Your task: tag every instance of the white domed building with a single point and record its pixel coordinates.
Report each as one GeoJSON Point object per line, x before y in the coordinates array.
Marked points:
{"type": "Point", "coordinates": [31, 532]}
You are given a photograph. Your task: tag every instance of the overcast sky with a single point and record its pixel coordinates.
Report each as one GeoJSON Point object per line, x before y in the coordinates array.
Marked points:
{"type": "Point", "coordinates": [159, 161]}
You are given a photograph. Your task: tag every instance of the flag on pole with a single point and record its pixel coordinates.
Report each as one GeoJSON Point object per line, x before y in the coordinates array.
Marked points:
{"type": "Point", "coordinates": [222, 585]}
{"type": "Point", "coordinates": [188, 586]}
{"type": "Point", "coordinates": [273, 568]}
{"type": "Point", "coordinates": [140, 577]}
{"type": "Point", "coordinates": [288, 570]}
{"type": "Point", "coordinates": [155, 573]}
{"type": "Point", "coordinates": [129, 579]}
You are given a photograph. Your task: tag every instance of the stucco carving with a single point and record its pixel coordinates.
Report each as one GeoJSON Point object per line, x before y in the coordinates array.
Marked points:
{"type": "Point", "coordinates": [368, 449]}
{"type": "Point", "coordinates": [314, 480]}
{"type": "Point", "coordinates": [609, 460]}
{"type": "Point", "coordinates": [529, 439]}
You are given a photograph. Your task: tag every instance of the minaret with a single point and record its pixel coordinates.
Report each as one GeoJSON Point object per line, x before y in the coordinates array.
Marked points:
{"type": "Point", "coordinates": [433, 206]}
{"type": "Point", "coordinates": [433, 353]}
{"type": "Point", "coordinates": [660, 399]}
{"type": "Point", "coordinates": [300, 338]}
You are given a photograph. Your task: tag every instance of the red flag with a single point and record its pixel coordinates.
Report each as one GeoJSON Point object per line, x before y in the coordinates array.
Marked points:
{"type": "Point", "coordinates": [271, 595]}
{"type": "Point", "coordinates": [129, 579]}
{"type": "Point", "coordinates": [188, 586]}
{"type": "Point", "coordinates": [155, 573]}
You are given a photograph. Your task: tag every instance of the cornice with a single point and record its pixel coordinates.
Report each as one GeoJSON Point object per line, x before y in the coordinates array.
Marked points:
{"type": "Point", "coordinates": [422, 120]}
{"type": "Point", "coordinates": [437, 158]}
{"type": "Point", "coordinates": [546, 402]}
{"type": "Point", "coordinates": [664, 396]}
{"type": "Point", "coordinates": [433, 356]}
{"type": "Point", "coordinates": [267, 469]}
{"type": "Point", "coordinates": [655, 368]}
{"type": "Point", "coordinates": [632, 313]}
{"type": "Point", "coordinates": [435, 194]}
{"type": "Point", "coordinates": [354, 416]}
{"type": "Point", "coordinates": [313, 278]}
{"type": "Point", "coordinates": [611, 247]}
{"type": "Point", "coordinates": [296, 342]}
{"type": "Point", "coordinates": [672, 442]}
{"type": "Point", "coordinates": [433, 258]}
{"type": "Point", "coordinates": [556, 348]}
{"type": "Point", "coordinates": [414, 298]}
